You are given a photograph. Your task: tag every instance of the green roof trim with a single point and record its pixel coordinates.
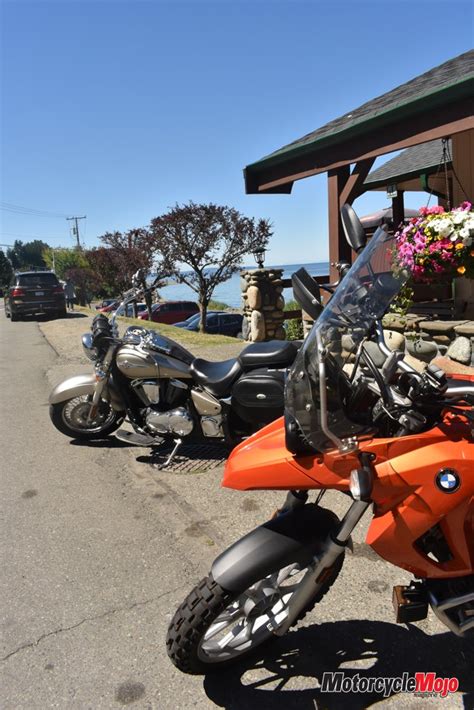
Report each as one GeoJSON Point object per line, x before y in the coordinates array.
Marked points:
{"type": "Point", "coordinates": [425, 158]}
{"type": "Point", "coordinates": [406, 100]}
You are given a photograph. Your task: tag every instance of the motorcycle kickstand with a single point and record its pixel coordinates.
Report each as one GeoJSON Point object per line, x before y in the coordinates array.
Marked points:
{"type": "Point", "coordinates": [177, 444]}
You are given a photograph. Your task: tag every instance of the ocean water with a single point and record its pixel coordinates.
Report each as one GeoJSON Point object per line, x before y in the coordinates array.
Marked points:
{"type": "Point", "coordinates": [229, 291]}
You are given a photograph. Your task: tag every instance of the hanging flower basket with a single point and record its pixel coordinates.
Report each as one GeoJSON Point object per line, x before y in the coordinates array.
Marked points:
{"type": "Point", "coordinates": [438, 245]}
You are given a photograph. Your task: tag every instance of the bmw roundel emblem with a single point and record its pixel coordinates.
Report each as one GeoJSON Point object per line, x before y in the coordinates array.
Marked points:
{"type": "Point", "coordinates": [448, 480]}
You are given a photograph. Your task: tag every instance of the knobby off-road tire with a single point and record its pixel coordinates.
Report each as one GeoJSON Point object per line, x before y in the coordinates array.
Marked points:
{"type": "Point", "coordinates": [202, 607]}
{"type": "Point", "coordinates": [69, 418]}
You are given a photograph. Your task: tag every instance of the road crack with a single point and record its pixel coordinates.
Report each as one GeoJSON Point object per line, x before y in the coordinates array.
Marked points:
{"type": "Point", "coordinates": [110, 612]}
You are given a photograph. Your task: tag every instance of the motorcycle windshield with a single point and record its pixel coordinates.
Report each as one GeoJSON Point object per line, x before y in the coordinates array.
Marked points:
{"type": "Point", "coordinates": [318, 381]}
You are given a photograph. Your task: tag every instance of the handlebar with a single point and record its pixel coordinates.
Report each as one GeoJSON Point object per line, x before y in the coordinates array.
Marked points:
{"type": "Point", "coordinates": [131, 295]}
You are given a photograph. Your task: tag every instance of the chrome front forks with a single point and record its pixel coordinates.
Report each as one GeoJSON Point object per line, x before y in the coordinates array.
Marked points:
{"type": "Point", "coordinates": [101, 377]}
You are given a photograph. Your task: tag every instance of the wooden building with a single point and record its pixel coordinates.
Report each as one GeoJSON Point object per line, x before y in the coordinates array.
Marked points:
{"type": "Point", "coordinates": [422, 112]}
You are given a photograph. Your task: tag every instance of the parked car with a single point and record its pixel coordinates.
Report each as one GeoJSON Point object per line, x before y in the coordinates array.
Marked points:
{"type": "Point", "coordinates": [33, 292]}
{"type": "Point", "coordinates": [128, 310]}
{"type": "Point", "coordinates": [217, 322]}
{"type": "Point", "coordinates": [171, 311]}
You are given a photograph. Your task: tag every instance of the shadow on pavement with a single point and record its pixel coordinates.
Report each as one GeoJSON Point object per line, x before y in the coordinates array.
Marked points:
{"type": "Point", "coordinates": [44, 317]}
{"type": "Point", "coordinates": [371, 649]}
{"type": "Point", "coordinates": [109, 443]}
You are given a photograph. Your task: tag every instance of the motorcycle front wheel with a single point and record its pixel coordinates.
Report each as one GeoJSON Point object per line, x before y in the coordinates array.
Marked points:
{"type": "Point", "coordinates": [71, 418]}
{"type": "Point", "coordinates": [214, 628]}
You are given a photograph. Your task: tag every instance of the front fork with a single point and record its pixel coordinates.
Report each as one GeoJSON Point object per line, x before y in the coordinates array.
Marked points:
{"type": "Point", "coordinates": [334, 546]}
{"type": "Point", "coordinates": [102, 371]}
{"type": "Point", "coordinates": [315, 579]}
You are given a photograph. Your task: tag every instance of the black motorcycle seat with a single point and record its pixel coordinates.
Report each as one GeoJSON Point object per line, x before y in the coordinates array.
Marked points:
{"type": "Point", "coordinates": [216, 377]}
{"type": "Point", "coordinates": [274, 353]}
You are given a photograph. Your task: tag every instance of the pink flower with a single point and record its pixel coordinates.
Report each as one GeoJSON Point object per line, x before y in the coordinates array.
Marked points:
{"type": "Point", "coordinates": [436, 209]}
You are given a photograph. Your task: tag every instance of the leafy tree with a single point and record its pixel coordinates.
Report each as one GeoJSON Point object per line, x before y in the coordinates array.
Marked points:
{"type": "Point", "coordinates": [86, 281]}
{"type": "Point", "coordinates": [73, 264]}
{"type": "Point", "coordinates": [27, 255]}
{"type": "Point", "coordinates": [102, 262]}
{"type": "Point", "coordinates": [6, 271]}
{"type": "Point", "coordinates": [211, 240]}
{"type": "Point", "coordinates": [63, 259]}
{"type": "Point", "coordinates": [131, 252]}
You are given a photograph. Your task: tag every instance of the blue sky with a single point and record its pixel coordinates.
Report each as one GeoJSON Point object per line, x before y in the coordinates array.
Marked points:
{"type": "Point", "coordinates": [120, 109]}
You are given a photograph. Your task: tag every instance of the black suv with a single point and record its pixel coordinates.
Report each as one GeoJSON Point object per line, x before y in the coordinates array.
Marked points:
{"type": "Point", "coordinates": [32, 292]}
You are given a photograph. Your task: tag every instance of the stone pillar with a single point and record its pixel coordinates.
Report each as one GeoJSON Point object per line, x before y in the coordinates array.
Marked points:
{"type": "Point", "coordinates": [263, 304]}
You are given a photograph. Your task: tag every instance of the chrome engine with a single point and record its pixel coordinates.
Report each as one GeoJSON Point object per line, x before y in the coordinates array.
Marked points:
{"type": "Point", "coordinates": [212, 426]}
{"type": "Point", "coordinates": [175, 421]}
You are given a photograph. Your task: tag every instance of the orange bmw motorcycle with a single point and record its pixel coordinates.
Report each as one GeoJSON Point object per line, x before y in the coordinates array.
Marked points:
{"type": "Point", "coordinates": [393, 439]}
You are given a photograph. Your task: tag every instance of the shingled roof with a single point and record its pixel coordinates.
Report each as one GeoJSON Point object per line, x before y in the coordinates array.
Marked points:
{"type": "Point", "coordinates": [438, 87]}
{"type": "Point", "coordinates": [423, 158]}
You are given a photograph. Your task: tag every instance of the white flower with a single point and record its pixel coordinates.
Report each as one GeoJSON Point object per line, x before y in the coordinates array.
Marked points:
{"type": "Point", "coordinates": [469, 224]}
{"type": "Point", "coordinates": [467, 241]}
{"type": "Point", "coordinates": [464, 233]}
{"type": "Point", "coordinates": [460, 217]}
{"type": "Point", "coordinates": [444, 226]}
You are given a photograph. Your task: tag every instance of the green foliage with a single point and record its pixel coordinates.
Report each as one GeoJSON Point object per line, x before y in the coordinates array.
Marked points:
{"type": "Point", "coordinates": [294, 327]}
{"type": "Point", "coordinates": [63, 260]}
{"type": "Point", "coordinates": [403, 301]}
{"type": "Point", "coordinates": [292, 306]}
{"type": "Point", "coordinates": [27, 255]}
{"type": "Point", "coordinates": [6, 271]}
{"type": "Point", "coordinates": [218, 305]}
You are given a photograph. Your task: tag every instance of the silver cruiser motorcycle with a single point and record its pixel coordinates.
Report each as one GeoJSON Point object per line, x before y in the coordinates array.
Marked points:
{"type": "Point", "coordinates": [165, 392]}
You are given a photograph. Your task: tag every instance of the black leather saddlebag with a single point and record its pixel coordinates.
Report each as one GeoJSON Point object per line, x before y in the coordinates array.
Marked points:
{"type": "Point", "coordinates": [258, 397]}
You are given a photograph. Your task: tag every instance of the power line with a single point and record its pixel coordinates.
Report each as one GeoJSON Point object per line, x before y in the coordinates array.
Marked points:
{"type": "Point", "coordinates": [30, 211]}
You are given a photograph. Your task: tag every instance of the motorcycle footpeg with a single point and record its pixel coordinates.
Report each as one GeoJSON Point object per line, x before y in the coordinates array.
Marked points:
{"type": "Point", "coordinates": [134, 439]}
{"type": "Point", "coordinates": [410, 603]}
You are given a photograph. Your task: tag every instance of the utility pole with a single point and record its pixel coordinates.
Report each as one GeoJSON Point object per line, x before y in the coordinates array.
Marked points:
{"type": "Point", "coordinates": [75, 230]}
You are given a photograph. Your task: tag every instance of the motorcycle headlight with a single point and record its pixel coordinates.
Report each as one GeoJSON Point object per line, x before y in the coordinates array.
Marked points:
{"type": "Point", "coordinates": [88, 347]}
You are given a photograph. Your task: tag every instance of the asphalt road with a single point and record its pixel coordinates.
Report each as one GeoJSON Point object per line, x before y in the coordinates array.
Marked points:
{"type": "Point", "coordinates": [98, 549]}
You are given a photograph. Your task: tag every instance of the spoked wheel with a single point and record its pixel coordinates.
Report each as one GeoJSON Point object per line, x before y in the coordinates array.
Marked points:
{"type": "Point", "coordinates": [214, 628]}
{"type": "Point", "coordinates": [71, 418]}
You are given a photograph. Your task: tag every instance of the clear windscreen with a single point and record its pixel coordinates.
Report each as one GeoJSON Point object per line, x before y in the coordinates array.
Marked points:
{"type": "Point", "coordinates": [361, 299]}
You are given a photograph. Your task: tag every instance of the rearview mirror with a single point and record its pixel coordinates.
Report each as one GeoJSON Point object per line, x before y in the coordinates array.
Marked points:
{"type": "Point", "coordinates": [353, 228]}
{"type": "Point", "coordinates": [137, 278]}
{"type": "Point", "coordinates": [307, 293]}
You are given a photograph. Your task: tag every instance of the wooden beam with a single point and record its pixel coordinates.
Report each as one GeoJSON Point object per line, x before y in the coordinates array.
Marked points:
{"type": "Point", "coordinates": [339, 249]}
{"type": "Point", "coordinates": [385, 139]}
{"type": "Point", "coordinates": [354, 183]}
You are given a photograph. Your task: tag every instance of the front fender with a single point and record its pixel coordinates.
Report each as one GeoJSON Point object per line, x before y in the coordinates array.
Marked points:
{"type": "Point", "coordinates": [293, 537]}
{"type": "Point", "coordinates": [85, 384]}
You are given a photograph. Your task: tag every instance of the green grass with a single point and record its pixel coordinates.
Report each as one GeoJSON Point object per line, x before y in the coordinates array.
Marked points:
{"type": "Point", "coordinates": [217, 306]}
{"type": "Point", "coordinates": [185, 337]}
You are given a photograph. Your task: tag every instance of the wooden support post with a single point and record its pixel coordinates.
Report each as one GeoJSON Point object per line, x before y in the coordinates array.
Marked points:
{"type": "Point", "coordinates": [463, 163]}
{"type": "Point", "coordinates": [339, 250]}
{"type": "Point", "coordinates": [398, 210]}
